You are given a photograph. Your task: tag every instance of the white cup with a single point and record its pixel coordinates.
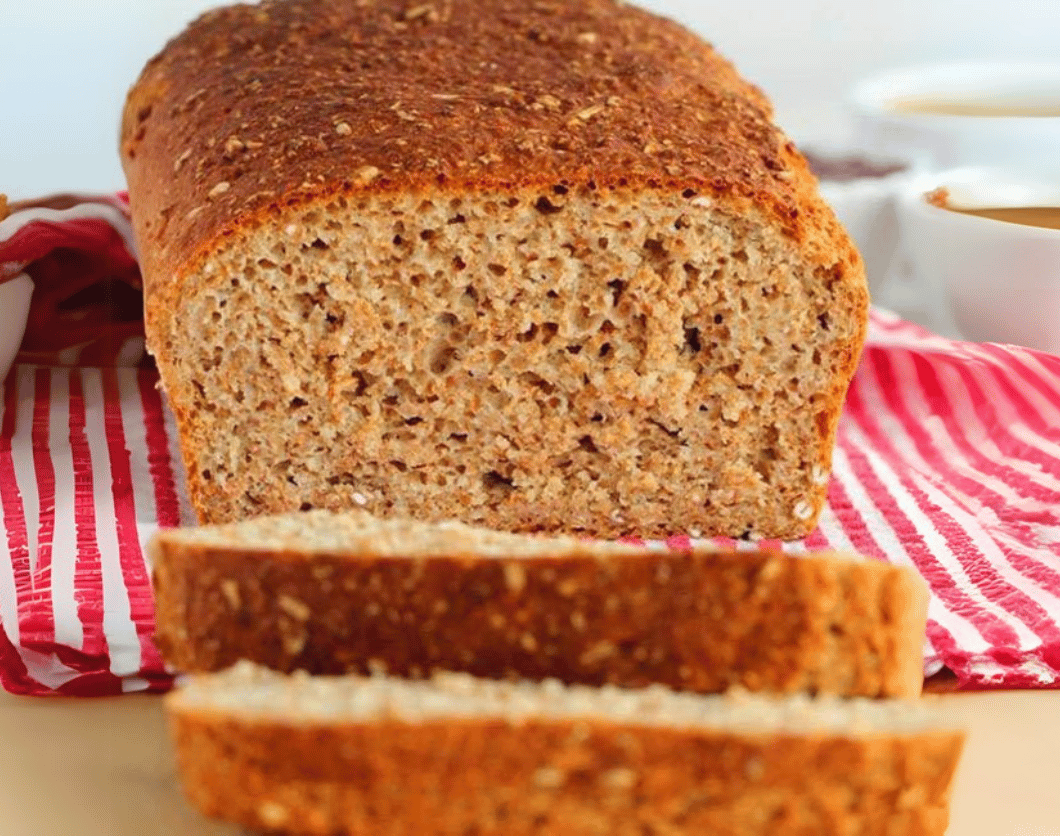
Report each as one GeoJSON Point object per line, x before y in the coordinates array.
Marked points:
{"type": "Point", "coordinates": [1021, 142]}
{"type": "Point", "coordinates": [1000, 279]}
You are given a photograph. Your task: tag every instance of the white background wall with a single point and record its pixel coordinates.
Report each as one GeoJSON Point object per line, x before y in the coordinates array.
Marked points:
{"type": "Point", "coordinates": [65, 66]}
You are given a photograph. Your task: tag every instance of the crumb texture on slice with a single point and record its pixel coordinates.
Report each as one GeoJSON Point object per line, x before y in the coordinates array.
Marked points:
{"type": "Point", "coordinates": [455, 756]}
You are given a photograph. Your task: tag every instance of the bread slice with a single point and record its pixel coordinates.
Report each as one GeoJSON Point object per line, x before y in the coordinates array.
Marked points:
{"type": "Point", "coordinates": [455, 755]}
{"type": "Point", "coordinates": [343, 593]}
{"type": "Point", "coordinates": [540, 266]}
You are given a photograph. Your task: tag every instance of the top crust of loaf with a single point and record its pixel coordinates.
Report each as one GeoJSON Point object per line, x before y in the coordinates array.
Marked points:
{"type": "Point", "coordinates": [254, 109]}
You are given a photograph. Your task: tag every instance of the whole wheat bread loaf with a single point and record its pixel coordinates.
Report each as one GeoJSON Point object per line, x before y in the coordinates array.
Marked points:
{"type": "Point", "coordinates": [328, 756]}
{"type": "Point", "coordinates": [538, 266]}
{"type": "Point", "coordinates": [351, 593]}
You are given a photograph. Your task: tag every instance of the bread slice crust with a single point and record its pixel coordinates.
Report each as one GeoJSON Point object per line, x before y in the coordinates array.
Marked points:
{"type": "Point", "coordinates": [593, 773]}
{"type": "Point", "coordinates": [693, 619]}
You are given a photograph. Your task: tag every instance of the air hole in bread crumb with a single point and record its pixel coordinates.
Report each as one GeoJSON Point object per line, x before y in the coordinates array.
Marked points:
{"type": "Point", "coordinates": [207, 476]}
{"type": "Point", "coordinates": [655, 247]}
{"type": "Point", "coordinates": [398, 240]}
{"type": "Point", "coordinates": [692, 271]}
{"type": "Point", "coordinates": [413, 421]}
{"type": "Point", "coordinates": [461, 437]}
{"type": "Point", "coordinates": [688, 194]}
{"type": "Point", "coordinates": [574, 349]}
{"type": "Point", "coordinates": [587, 444]}
{"type": "Point", "coordinates": [603, 243]}
{"type": "Point", "coordinates": [448, 319]}
{"type": "Point", "coordinates": [618, 287]}
{"type": "Point", "coordinates": [718, 319]}
{"type": "Point", "coordinates": [298, 403]}
{"type": "Point", "coordinates": [306, 506]}
{"type": "Point", "coordinates": [692, 339]}
{"type": "Point", "coordinates": [559, 188]}
{"type": "Point", "coordinates": [824, 321]}
{"type": "Point", "coordinates": [459, 263]}
{"type": "Point", "coordinates": [427, 234]}
{"type": "Point", "coordinates": [457, 219]}
{"type": "Point", "coordinates": [399, 465]}
{"type": "Point", "coordinates": [605, 349]}
{"type": "Point", "coordinates": [443, 359]}
{"type": "Point", "coordinates": [546, 206]}
{"type": "Point", "coordinates": [597, 418]}
{"type": "Point", "coordinates": [537, 382]}
{"type": "Point", "coordinates": [495, 481]}
{"type": "Point", "coordinates": [497, 269]}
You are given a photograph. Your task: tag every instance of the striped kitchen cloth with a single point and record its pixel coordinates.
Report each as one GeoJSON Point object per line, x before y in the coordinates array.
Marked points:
{"type": "Point", "coordinates": [948, 459]}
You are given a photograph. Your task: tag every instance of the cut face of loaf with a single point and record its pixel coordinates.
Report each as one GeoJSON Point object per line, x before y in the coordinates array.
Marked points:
{"type": "Point", "coordinates": [351, 593]}
{"type": "Point", "coordinates": [541, 267]}
{"type": "Point", "coordinates": [317, 755]}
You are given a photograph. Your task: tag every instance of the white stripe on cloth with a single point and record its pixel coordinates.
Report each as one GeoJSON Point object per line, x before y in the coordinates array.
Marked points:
{"type": "Point", "coordinates": [68, 629]}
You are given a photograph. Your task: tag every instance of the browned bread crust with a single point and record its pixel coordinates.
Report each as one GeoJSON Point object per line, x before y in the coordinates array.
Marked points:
{"type": "Point", "coordinates": [334, 203]}
{"type": "Point", "coordinates": [695, 620]}
{"type": "Point", "coordinates": [590, 776]}
{"type": "Point", "coordinates": [255, 108]}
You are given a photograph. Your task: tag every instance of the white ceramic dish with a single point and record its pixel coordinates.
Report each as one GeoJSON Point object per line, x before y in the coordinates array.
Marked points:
{"type": "Point", "coordinates": [1001, 280]}
{"type": "Point", "coordinates": [1022, 142]}
{"type": "Point", "coordinates": [15, 296]}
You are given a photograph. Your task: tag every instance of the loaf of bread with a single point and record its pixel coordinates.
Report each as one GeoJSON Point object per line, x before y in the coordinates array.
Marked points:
{"type": "Point", "coordinates": [327, 756]}
{"type": "Point", "coordinates": [543, 266]}
{"type": "Point", "coordinates": [350, 593]}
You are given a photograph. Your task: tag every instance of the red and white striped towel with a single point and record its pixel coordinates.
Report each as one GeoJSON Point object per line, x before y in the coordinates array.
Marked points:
{"type": "Point", "coordinates": [948, 459]}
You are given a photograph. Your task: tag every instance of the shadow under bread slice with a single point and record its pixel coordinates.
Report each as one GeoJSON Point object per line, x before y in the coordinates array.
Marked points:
{"type": "Point", "coordinates": [350, 593]}
{"type": "Point", "coordinates": [456, 755]}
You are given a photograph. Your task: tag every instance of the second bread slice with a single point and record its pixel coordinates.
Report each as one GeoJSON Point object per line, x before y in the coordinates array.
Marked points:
{"type": "Point", "coordinates": [329, 593]}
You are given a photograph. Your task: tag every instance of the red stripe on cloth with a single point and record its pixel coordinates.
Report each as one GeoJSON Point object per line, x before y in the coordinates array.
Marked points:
{"type": "Point", "coordinates": [88, 577]}
{"type": "Point", "coordinates": [993, 628]}
{"type": "Point", "coordinates": [816, 541]}
{"type": "Point", "coordinates": [134, 570]}
{"type": "Point", "coordinates": [1006, 586]}
{"type": "Point", "coordinates": [37, 619]}
{"type": "Point", "coordinates": [11, 497]}
{"type": "Point", "coordinates": [167, 504]}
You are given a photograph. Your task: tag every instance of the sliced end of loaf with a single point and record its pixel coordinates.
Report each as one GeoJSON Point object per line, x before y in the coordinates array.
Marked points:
{"type": "Point", "coordinates": [636, 362]}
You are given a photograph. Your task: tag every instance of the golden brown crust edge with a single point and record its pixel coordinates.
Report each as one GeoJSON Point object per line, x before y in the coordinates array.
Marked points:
{"type": "Point", "coordinates": [562, 777]}
{"type": "Point", "coordinates": [220, 136]}
{"type": "Point", "coordinates": [698, 621]}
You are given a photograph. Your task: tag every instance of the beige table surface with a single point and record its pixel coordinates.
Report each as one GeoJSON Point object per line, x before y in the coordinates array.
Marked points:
{"type": "Point", "coordinates": [102, 768]}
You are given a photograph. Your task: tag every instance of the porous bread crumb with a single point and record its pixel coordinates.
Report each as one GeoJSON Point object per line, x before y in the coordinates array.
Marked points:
{"type": "Point", "coordinates": [472, 387]}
